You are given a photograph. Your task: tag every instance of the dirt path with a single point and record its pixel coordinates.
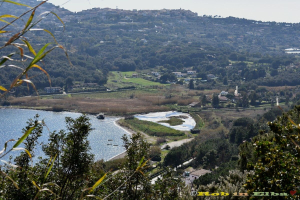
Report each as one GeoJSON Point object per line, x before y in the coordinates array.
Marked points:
{"type": "Point", "coordinates": [177, 143]}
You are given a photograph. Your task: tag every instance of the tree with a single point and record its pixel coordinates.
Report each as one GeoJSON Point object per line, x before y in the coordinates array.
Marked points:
{"type": "Point", "coordinates": [168, 77]}
{"type": "Point", "coordinates": [132, 180]}
{"type": "Point", "coordinates": [69, 83]}
{"type": "Point", "coordinates": [245, 101]}
{"type": "Point", "coordinates": [225, 81]}
{"type": "Point", "coordinates": [277, 156]}
{"type": "Point", "coordinates": [155, 152]}
{"type": "Point", "coordinates": [191, 84]}
{"type": "Point", "coordinates": [24, 174]}
{"type": "Point", "coordinates": [215, 101]}
{"type": "Point", "coordinates": [204, 100]}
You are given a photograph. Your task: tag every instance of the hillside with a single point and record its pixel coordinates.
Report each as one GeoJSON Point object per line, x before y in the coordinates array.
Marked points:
{"type": "Point", "coordinates": [103, 40]}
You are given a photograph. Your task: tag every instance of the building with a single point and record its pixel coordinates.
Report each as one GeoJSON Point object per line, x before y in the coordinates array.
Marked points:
{"type": "Point", "coordinates": [155, 73]}
{"type": "Point", "coordinates": [211, 76]}
{"type": "Point", "coordinates": [178, 74]}
{"type": "Point", "coordinates": [191, 72]}
{"type": "Point", "coordinates": [223, 93]}
{"type": "Point", "coordinates": [191, 176]}
{"type": "Point", "coordinates": [53, 90]}
{"type": "Point", "coordinates": [236, 92]}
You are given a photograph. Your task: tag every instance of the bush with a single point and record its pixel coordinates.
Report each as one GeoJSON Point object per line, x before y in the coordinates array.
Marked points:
{"type": "Point", "coordinates": [160, 140]}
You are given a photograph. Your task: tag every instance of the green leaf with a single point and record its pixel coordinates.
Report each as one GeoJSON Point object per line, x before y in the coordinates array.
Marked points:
{"type": "Point", "coordinates": [49, 170]}
{"type": "Point", "coordinates": [16, 3]}
{"type": "Point", "coordinates": [6, 58]}
{"type": "Point", "coordinates": [24, 136]}
{"type": "Point", "coordinates": [29, 20]}
{"type": "Point", "coordinates": [140, 164]}
{"type": "Point", "coordinates": [39, 55]}
{"type": "Point", "coordinates": [34, 183]}
{"type": "Point", "coordinates": [29, 47]}
{"type": "Point", "coordinates": [97, 183]}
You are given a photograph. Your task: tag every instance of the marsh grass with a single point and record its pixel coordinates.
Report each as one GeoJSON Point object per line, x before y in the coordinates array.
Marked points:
{"type": "Point", "coordinates": [152, 128]}
{"type": "Point", "coordinates": [173, 121]}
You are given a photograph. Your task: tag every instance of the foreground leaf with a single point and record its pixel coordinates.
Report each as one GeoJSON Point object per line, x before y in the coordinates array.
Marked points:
{"type": "Point", "coordinates": [58, 18]}
{"type": "Point", "coordinates": [29, 47]}
{"type": "Point", "coordinates": [97, 183]}
{"type": "Point", "coordinates": [15, 184]}
{"type": "Point", "coordinates": [34, 183]}
{"type": "Point", "coordinates": [16, 3]}
{"type": "Point", "coordinates": [3, 89]}
{"type": "Point", "coordinates": [24, 136]}
{"type": "Point", "coordinates": [10, 164]}
{"type": "Point", "coordinates": [29, 20]}
{"type": "Point", "coordinates": [49, 170]}
{"type": "Point", "coordinates": [5, 145]}
{"type": "Point", "coordinates": [23, 149]}
{"type": "Point", "coordinates": [8, 16]}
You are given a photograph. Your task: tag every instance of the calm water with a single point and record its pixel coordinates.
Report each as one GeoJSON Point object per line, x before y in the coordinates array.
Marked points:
{"type": "Point", "coordinates": [188, 124]}
{"type": "Point", "coordinates": [12, 121]}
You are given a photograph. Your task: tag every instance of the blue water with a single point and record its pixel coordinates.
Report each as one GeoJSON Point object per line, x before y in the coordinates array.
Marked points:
{"type": "Point", "coordinates": [12, 121]}
{"type": "Point", "coordinates": [188, 124]}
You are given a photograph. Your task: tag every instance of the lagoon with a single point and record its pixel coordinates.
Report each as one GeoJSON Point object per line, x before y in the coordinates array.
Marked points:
{"type": "Point", "coordinates": [188, 124]}
{"type": "Point", "coordinates": [12, 121]}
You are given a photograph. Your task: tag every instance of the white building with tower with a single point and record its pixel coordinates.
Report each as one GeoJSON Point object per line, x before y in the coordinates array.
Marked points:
{"type": "Point", "coordinates": [236, 92]}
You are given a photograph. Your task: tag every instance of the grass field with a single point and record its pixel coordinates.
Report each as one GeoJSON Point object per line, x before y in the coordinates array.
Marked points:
{"type": "Point", "coordinates": [173, 121]}
{"type": "Point", "coordinates": [123, 79]}
{"type": "Point", "coordinates": [152, 128]}
{"type": "Point", "coordinates": [141, 82]}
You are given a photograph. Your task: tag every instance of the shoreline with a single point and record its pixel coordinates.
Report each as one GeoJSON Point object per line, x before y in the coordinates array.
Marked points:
{"type": "Point", "coordinates": [49, 110]}
{"type": "Point", "coordinates": [128, 130]}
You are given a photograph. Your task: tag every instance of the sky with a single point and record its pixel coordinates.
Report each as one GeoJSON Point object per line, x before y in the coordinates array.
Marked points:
{"type": "Point", "coordinates": [264, 10]}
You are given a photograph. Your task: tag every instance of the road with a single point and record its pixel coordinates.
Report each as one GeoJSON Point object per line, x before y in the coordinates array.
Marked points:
{"type": "Point", "coordinates": [177, 143]}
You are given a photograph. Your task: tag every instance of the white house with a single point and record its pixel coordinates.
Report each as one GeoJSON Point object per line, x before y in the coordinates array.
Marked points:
{"type": "Point", "coordinates": [191, 72]}
{"type": "Point", "coordinates": [53, 89]}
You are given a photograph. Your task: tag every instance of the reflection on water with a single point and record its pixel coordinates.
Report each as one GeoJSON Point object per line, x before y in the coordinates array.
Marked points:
{"type": "Point", "coordinates": [12, 121]}
{"type": "Point", "coordinates": [188, 124]}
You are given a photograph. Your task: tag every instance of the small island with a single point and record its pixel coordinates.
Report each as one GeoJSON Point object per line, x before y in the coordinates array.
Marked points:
{"type": "Point", "coordinates": [175, 120]}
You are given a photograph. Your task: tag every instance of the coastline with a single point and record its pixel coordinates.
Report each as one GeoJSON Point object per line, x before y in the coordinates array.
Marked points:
{"type": "Point", "coordinates": [117, 123]}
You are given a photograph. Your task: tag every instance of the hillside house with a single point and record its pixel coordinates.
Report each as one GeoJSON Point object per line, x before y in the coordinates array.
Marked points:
{"type": "Point", "coordinates": [178, 74]}
{"type": "Point", "coordinates": [155, 73]}
{"type": "Point", "coordinates": [53, 90]}
{"type": "Point", "coordinates": [191, 72]}
{"type": "Point", "coordinates": [211, 77]}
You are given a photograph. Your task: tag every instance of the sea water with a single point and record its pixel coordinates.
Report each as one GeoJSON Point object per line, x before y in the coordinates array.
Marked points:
{"type": "Point", "coordinates": [12, 121]}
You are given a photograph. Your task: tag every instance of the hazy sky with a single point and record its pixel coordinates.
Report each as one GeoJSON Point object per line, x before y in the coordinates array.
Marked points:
{"type": "Point", "coordinates": [265, 10]}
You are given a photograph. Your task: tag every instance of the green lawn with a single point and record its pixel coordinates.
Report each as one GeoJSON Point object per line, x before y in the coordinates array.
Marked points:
{"type": "Point", "coordinates": [141, 82]}
{"type": "Point", "coordinates": [118, 80]}
{"type": "Point", "coordinates": [152, 128]}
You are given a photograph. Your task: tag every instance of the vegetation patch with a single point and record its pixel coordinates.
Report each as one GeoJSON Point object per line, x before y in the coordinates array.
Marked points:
{"type": "Point", "coordinates": [152, 128]}
{"type": "Point", "coordinates": [173, 121]}
{"type": "Point", "coordinates": [198, 120]}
